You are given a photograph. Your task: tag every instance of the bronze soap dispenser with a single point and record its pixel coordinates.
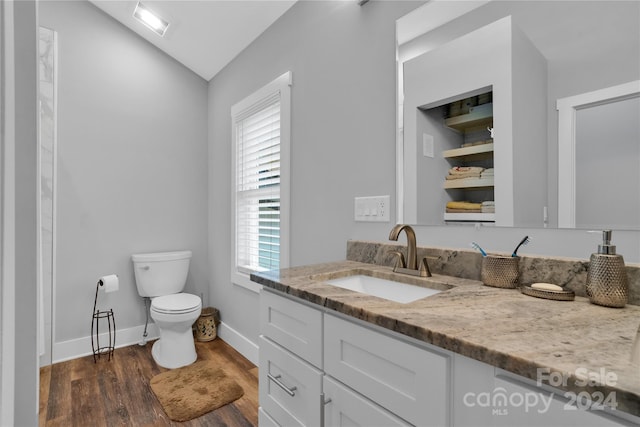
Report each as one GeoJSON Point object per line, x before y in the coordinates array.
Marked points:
{"type": "Point", "coordinates": [607, 282]}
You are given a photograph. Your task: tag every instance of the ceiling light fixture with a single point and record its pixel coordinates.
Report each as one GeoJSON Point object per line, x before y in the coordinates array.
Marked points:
{"type": "Point", "coordinates": [150, 19]}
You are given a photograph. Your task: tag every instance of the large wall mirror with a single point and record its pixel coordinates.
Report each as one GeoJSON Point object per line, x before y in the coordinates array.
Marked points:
{"type": "Point", "coordinates": [480, 85]}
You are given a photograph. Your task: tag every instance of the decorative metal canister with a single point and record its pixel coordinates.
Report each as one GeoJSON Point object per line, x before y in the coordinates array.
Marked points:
{"type": "Point", "coordinates": [206, 325]}
{"type": "Point", "coordinates": [607, 282]}
{"type": "Point", "coordinates": [500, 271]}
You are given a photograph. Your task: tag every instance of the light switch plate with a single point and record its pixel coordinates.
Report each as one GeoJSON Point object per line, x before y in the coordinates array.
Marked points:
{"type": "Point", "coordinates": [372, 209]}
{"type": "Point", "coordinates": [427, 145]}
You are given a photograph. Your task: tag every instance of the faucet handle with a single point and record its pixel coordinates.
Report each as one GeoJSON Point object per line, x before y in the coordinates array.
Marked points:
{"type": "Point", "coordinates": [425, 271]}
{"type": "Point", "coordinates": [400, 262]}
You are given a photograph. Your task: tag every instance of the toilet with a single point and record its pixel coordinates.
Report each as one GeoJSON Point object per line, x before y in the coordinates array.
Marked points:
{"type": "Point", "coordinates": [161, 277]}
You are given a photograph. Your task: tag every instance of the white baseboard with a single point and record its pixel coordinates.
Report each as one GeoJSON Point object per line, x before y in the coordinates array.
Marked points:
{"type": "Point", "coordinates": [242, 344]}
{"type": "Point", "coordinates": [79, 347]}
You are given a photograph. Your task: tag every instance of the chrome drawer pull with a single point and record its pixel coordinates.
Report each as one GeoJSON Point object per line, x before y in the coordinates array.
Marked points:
{"type": "Point", "coordinates": [276, 379]}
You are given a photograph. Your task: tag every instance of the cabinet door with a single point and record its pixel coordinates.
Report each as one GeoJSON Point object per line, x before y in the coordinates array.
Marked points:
{"type": "Point", "coordinates": [471, 380]}
{"type": "Point", "coordinates": [294, 326]}
{"type": "Point", "coordinates": [347, 408]}
{"type": "Point", "coordinates": [289, 388]}
{"type": "Point", "coordinates": [409, 381]}
{"type": "Point", "coordinates": [524, 405]}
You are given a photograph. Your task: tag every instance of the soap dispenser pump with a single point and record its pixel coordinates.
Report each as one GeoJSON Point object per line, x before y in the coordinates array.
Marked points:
{"type": "Point", "coordinates": [607, 283]}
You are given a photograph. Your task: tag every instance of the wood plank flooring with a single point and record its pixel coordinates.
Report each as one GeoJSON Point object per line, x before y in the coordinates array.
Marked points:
{"type": "Point", "coordinates": [117, 393]}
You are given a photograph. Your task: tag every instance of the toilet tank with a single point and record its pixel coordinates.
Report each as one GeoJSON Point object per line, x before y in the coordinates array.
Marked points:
{"type": "Point", "coordinates": [161, 273]}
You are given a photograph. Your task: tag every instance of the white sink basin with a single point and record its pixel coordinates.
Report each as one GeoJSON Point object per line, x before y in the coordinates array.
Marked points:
{"type": "Point", "coordinates": [382, 288]}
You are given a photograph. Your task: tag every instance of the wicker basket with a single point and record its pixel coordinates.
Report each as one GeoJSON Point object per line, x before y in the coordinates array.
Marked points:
{"type": "Point", "coordinates": [500, 271]}
{"type": "Point", "coordinates": [206, 325]}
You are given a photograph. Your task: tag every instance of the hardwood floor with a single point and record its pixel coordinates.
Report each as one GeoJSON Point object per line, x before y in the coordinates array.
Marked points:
{"type": "Point", "coordinates": [117, 393]}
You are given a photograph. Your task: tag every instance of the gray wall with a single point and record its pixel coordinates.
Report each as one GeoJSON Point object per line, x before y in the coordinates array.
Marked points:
{"type": "Point", "coordinates": [342, 57]}
{"type": "Point", "coordinates": [343, 145]}
{"type": "Point", "coordinates": [132, 164]}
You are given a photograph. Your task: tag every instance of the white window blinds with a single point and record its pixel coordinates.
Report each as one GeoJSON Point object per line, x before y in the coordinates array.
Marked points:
{"type": "Point", "coordinates": [257, 210]}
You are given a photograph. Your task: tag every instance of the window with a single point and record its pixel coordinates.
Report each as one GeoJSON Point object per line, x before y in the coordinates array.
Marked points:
{"type": "Point", "coordinates": [261, 136]}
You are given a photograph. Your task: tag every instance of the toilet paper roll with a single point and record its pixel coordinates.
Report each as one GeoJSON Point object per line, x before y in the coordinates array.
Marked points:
{"type": "Point", "coordinates": [110, 283]}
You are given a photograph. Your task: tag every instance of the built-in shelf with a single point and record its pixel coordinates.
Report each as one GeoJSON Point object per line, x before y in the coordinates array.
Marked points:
{"type": "Point", "coordinates": [483, 152]}
{"type": "Point", "coordinates": [468, 183]}
{"type": "Point", "coordinates": [470, 153]}
{"type": "Point", "coordinates": [479, 115]}
{"type": "Point", "coordinates": [472, 216]}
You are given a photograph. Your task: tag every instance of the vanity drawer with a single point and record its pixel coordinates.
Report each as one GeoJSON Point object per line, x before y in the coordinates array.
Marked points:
{"type": "Point", "coordinates": [515, 403]}
{"type": "Point", "coordinates": [289, 388]}
{"type": "Point", "coordinates": [265, 420]}
{"type": "Point", "coordinates": [294, 326]}
{"type": "Point", "coordinates": [410, 381]}
{"type": "Point", "coordinates": [347, 408]}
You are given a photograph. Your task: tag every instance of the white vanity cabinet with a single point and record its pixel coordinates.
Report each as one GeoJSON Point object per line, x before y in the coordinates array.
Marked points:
{"type": "Point", "coordinates": [290, 371]}
{"type": "Point", "coordinates": [407, 380]}
{"type": "Point", "coordinates": [487, 396]}
{"type": "Point", "coordinates": [366, 377]}
{"type": "Point", "coordinates": [530, 406]}
{"type": "Point", "coordinates": [319, 368]}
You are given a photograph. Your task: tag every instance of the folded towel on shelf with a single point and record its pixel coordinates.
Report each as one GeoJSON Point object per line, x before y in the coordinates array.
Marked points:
{"type": "Point", "coordinates": [487, 173]}
{"type": "Point", "coordinates": [488, 206]}
{"type": "Point", "coordinates": [463, 175]}
{"type": "Point", "coordinates": [471, 144]}
{"type": "Point", "coordinates": [450, 210]}
{"type": "Point", "coordinates": [464, 205]}
{"type": "Point", "coordinates": [465, 169]}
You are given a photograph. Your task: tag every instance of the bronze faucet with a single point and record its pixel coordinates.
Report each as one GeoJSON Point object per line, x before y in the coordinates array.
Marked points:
{"type": "Point", "coordinates": [411, 266]}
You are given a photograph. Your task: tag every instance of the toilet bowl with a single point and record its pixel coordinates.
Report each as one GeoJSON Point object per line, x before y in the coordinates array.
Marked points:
{"type": "Point", "coordinates": [174, 314]}
{"type": "Point", "coordinates": [162, 277]}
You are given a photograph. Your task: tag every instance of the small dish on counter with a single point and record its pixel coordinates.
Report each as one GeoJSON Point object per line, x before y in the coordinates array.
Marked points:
{"type": "Point", "coordinates": [552, 294]}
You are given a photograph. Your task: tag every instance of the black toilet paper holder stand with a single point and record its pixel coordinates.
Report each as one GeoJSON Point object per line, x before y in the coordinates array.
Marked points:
{"type": "Point", "coordinates": [95, 332]}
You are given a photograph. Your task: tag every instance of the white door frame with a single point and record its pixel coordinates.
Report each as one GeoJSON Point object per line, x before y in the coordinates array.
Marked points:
{"type": "Point", "coordinates": [567, 109]}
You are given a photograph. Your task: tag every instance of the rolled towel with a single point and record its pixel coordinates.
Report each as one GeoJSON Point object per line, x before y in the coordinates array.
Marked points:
{"type": "Point", "coordinates": [488, 203]}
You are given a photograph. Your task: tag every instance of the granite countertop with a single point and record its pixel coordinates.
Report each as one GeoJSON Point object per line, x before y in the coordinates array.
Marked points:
{"type": "Point", "coordinates": [500, 327]}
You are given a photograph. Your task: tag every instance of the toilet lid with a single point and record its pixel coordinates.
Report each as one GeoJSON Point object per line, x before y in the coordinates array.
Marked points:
{"type": "Point", "coordinates": [176, 303]}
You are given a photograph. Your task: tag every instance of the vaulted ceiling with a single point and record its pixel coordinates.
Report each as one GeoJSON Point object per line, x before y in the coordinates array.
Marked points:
{"type": "Point", "coordinates": [203, 35]}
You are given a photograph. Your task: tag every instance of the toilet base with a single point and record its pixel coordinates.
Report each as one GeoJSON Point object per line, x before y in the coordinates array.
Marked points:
{"type": "Point", "coordinates": [180, 351]}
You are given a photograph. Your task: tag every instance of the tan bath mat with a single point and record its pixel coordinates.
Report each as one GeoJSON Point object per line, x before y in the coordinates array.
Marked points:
{"type": "Point", "coordinates": [191, 391]}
